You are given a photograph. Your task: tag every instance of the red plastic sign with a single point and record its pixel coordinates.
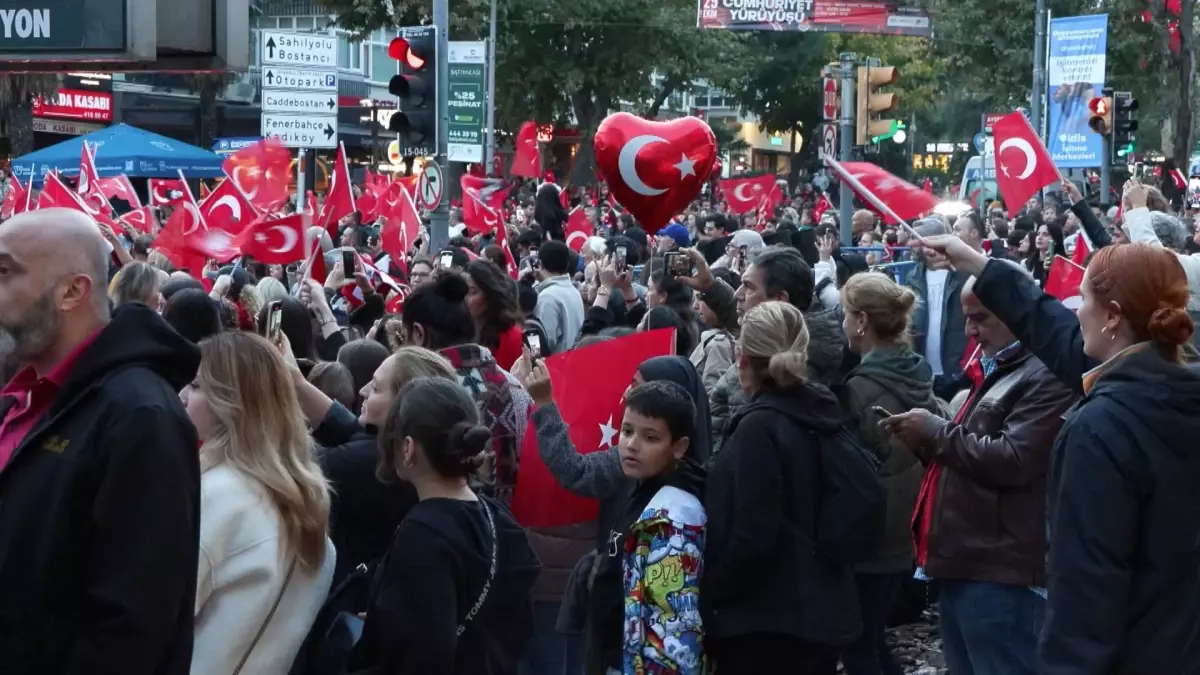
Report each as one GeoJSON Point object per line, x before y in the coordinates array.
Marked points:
{"type": "Point", "coordinates": [76, 104]}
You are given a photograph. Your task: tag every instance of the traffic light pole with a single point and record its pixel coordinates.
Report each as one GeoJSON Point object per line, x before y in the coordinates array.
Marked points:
{"type": "Point", "coordinates": [848, 62]}
{"type": "Point", "coordinates": [1105, 166]}
{"type": "Point", "coordinates": [439, 218]}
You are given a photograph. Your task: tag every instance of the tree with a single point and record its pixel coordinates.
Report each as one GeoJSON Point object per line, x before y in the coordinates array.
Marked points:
{"type": "Point", "coordinates": [17, 92]}
{"type": "Point", "coordinates": [207, 87]}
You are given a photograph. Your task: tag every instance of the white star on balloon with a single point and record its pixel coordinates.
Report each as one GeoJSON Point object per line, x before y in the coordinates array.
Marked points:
{"type": "Point", "coordinates": [687, 167]}
{"type": "Point", "coordinates": [607, 431]}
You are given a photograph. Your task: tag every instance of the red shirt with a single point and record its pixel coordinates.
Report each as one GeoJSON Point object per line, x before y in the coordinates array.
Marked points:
{"type": "Point", "coordinates": [33, 396]}
{"type": "Point", "coordinates": [512, 342]}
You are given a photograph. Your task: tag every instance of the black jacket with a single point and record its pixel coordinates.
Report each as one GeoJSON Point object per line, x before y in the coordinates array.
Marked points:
{"type": "Point", "coordinates": [365, 511]}
{"type": "Point", "coordinates": [1123, 508]}
{"type": "Point", "coordinates": [953, 338]}
{"type": "Point", "coordinates": [100, 514]}
{"type": "Point", "coordinates": [761, 572]}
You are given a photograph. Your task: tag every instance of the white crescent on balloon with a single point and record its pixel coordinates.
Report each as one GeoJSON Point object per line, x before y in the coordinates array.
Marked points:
{"type": "Point", "coordinates": [1024, 146]}
{"type": "Point", "coordinates": [234, 205]}
{"type": "Point", "coordinates": [627, 164]}
{"type": "Point", "coordinates": [289, 238]}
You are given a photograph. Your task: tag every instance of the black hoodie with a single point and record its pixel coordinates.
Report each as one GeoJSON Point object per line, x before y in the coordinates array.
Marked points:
{"type": "Point", "coordinates": [761, 573]}
{"type": "Point", "coordinates": [1124, 518]}
{"type": "Point", "coordinates": [100, 513]}
{"type": "Point", "coordinates": [433, 575]}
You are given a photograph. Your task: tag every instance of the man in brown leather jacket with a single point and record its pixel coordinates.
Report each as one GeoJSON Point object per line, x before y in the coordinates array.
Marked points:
{"type": "Point", "coordinates": [980, 521]}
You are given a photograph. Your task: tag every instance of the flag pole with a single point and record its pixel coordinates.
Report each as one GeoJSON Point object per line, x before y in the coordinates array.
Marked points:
{"type": "Point", "coordinates": [862, 190]}
{"type": "Point", "coordinates": [186, 187]}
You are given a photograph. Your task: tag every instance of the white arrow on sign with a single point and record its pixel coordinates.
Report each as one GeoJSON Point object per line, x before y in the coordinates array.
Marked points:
{"type": "Point", "coordinates": [429, 186]}
{"type": "Point", "coordinates": [305, 50]}
{"type": "Point", "coordinates": [301, 131]}
{"type": "Point", "coordinates": [300, 80]}
{"type": "Point", "coordinates": [299, 102]}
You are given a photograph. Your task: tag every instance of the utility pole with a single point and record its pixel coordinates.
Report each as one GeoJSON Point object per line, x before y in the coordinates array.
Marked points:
{"type": "Point", "coordinates": [1039, 67]}
{"type": "Point", "coordinates": [439, 218]}
{"type": "Point", "coordinates": [489, 150]}
{"type": "Point", "coordinates": [848, 62]}
{"type": "Point", "coordinates": [1105, 166]}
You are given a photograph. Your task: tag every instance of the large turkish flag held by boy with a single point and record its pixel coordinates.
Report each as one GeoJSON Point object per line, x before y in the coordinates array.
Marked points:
{"type": "Point", "coordinates": [589, 384]}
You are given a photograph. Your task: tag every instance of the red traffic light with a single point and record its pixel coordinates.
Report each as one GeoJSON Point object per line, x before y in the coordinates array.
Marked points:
{"type": "Point", "coordinates": [400, 49]}
{"type": "Point", "coordinates": [1099, 106]}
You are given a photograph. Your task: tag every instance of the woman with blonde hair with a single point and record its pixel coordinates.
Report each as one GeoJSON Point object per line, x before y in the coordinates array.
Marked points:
{"type": "Point", "coordinates": [266, 562]}
{"type": "Point", "coordinates": [365, 511]}
{"type": "Point", "coordinates": [890, 377]}
{"type": "Point", "coordinates": [766, 596]}
{"type": "Point", "coordinates": [138, 282]}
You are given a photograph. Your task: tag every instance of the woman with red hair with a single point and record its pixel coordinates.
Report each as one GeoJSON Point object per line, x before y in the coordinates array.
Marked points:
{"type": "Point", "coordinates": [1123, 508]}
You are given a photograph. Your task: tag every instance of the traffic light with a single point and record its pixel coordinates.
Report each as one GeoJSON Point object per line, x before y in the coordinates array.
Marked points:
{"type": "Point", "coordinates": [1101, 120]}
{"type": "Point", "coordinates": [1124, 109]}
{"type": "Point", "coordinates": [871, 102]}
{"type": "Point", "coordinates": [416, 87]}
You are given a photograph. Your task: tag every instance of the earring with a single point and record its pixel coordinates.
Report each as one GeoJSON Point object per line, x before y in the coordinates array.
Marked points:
{"type": "Point", "coordinates": [861, 332]}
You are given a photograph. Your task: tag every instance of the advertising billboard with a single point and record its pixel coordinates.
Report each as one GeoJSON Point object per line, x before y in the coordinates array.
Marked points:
{"type": "Point", "coordinates": [825, 16]}
{"type": "Point", "coordinates": [1075, 76]}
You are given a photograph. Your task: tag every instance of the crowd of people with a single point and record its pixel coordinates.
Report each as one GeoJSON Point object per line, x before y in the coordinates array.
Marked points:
{"type": "Point", "coordinates": [258, 473]}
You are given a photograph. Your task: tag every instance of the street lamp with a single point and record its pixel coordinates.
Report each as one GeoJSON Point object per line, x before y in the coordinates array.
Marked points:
{"type": "Point", "coordinates": [370, 105]}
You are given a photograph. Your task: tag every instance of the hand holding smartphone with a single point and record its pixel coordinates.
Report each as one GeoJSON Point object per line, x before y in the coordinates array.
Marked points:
{"type": "Point", "coordinates": [274, 321]}
{"type": "Point", "coordinates": [678, 264]}
{"type": "Point", "coordinates": [533, 342]}
{"type": "Point", "coordinates": [349, 256]}
{"type": "Point", "coordinates": [620, 258]}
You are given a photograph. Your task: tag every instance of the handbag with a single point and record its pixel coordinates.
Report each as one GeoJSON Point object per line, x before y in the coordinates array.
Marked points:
{"type": "Point", "coordinates": [263, 628]}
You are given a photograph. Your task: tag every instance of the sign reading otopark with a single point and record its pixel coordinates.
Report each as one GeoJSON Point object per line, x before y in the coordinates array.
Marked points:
{"type": "Point", "coordinates": [823, 16]}
{"type": "Point", "coordinates": [39, 26]}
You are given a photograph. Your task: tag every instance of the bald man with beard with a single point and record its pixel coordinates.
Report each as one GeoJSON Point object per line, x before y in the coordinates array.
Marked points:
{"type": "Point", "coordinates": [99, 470]}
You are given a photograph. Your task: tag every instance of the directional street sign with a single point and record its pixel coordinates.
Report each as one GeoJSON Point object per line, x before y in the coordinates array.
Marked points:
{"type": "Point", "coordinates": [299, 49]}
{"type": "Point", "coordinates": [299, 89]}
{"type": "Point", "coordinates": [299, 80]}
{"type": "Point", "coordinates": [429, 186]}
{"type": "Point", "coordinates": [298, 102]}
{"type": "Point", "coordinates": [466, 101]}
{"type": "Point", "coordinates": [301, 131]}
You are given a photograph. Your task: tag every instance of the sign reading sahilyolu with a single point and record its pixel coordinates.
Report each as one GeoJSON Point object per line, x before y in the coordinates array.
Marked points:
{"type": "Point", "coordinates": [825, 16]}
{"type": "Point", "coordinates": [62, 25]}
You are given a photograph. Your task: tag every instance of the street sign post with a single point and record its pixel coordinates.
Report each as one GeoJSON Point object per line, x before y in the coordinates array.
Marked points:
{"type": "Point", "coordinates": [829, 91]}
{"type": "Point", "coordinates": [467, 101]}
{"type": "Point", "coordinates": [829, 139]}
{"type": "Point", "coordinates": [299, 89]}
{"type": "Point", "coordinates": [301, 131]}
{"type": "Point", "coordinates": [429, 186]}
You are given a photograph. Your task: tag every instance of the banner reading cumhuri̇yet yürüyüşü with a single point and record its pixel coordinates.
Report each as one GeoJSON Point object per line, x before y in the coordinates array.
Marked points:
{"type": "Point", "coordinates": [827, 16]}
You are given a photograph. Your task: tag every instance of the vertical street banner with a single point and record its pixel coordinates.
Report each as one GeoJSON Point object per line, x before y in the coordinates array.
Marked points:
{"type": "Point", "coordinates": [1075, 76]}
{"type": "Point", "coordinates": [466, 99]}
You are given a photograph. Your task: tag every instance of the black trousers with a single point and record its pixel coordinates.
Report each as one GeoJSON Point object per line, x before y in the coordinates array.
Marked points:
{"type": "Point", "coordinates": [759, 653]}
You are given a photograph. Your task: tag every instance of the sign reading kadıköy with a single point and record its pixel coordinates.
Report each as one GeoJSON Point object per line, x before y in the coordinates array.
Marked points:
{"type": "Point", "coordinates": [62, 26]}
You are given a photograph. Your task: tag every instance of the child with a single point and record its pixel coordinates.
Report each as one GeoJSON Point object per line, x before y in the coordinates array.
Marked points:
{"type": "Point", "coordinates": [645, 616]}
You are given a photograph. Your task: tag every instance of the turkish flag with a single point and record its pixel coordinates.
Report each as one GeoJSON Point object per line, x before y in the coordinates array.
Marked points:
{"type": "Point", "coordinates": [274, 241]}
{"type": "Point", "coordinates": [339, 201]}
{"type": "Point", "coordinates": [820, 208]}
{"type": "Point", "coordinates": [746, 194]}
{"type": "Point", "coordinates": [483, 202]}
{"type": "Point", "coordinates": [1022, 162]}
{"type": "Point", "coordinates": [578, 229]}
{"type": "Point", "coordinates": [526, 159]}
{"type": "Point", "coordinates": [891, 197]}
{"type": "Point", "coordinates": [119, 187]}
{"type": "Point", "coordinates": [262, 172]}
{"type": "Point", "coordinates": [312, 204]}
{"type": "Point", "coordinates": [1063, 282]}
{"type": "Point", "coordinates": [204, 190]}
{"type": "Point", "coordinates": [226, 208]}
{"type": "Point", "coordinates": [177, 238]}
{"type": "Point", "coordinates": [161, 189]}
{"type": "Point", "coordinates": [502, 242]}
{"type": "Point", "coordinates": [95, 204]}
{"type": "Point", "coordinates": [56, 194]}
{"type": "Point", "coordinates": [16, 200]}
{"type": "Point", "coordinates": [368, 203]}
{"type": "Point", "coordinates": [140, 219]}
{"type": "Point", "coordinates": [588, 386]}
{"type": "Point", "coordinates": [1083, 249]}
{"type": "Point", "coordinates": [403, 224]}
{"type": "Point", "coordinates": [210, 244]}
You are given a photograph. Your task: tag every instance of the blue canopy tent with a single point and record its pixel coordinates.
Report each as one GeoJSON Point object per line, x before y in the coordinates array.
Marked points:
{"type": "Point", "coordinates": [121, 149]}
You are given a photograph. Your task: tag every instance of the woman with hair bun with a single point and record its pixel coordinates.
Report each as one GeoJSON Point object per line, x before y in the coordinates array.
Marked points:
{"type": "Point", "coordinates": [452, 596]}
{"type": "Point", "coordinates": [766, 596]}
{"type": "Point", "coordinates": [1123, 508]}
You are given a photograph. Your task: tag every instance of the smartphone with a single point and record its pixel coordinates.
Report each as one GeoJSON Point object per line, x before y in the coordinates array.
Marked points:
{"type": "Point", "coordinates": [880, 410]}
{"type": "Point", "coordinates": [446, 260]}
{"type": "Point", "coordinates": [1050, 250]}
{"type": "Point", "coordinates": [274, 320]}
{"type": "Point", "coordinates": [678, 264]}
{"type": "Point", "coordinates": [348, 257]}
{"type": "Point", "coordinates": [742, 250]}
{"type": "Point", "coordinates": [533, 258]}
{"type": "Point", "coordinates": [619, 259]}
{"type": "Point", "coordinates": [534, 342]}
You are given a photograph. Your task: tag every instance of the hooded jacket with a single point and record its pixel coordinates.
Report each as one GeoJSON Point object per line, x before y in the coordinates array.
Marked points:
{"type": "Point", "coordinates": [762, 574]}
{"type": "Point", "coordinates": [560, 309]}
{"type": "Point", "coordinates": [1124, 514]}
{"type": "Point", "coordinates": [896, 379]}
{"type": "Point", "coordinates": [100, 513]}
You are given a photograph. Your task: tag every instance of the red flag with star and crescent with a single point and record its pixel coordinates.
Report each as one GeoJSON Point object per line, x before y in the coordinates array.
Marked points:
{"type": "Point", "coordinates": [119, 187]}
{"type": "Point", "coordinates": [588, 386]}
{"type": "Point", "coordinates": [747, 194]}
{"type": "Point", "coordinates": [1023, 164]}
{"type": "Point", "coordinates": [578, 229]}
{"type": "Point", "coordinates": [483, 203]}
{"type": "Point", "coordinates": [888, 195]}
{"type": "Point", "coordinates": [262, 173]}
{"type": "Point", "coordinates": [526, 160]}
{"type": "Point", "coordinates": [227, 208]}
{"type": "Point", "coordinates": [274, 241]}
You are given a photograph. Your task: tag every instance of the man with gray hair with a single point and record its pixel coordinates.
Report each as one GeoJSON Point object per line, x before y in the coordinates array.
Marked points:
{"type": "Point", "coordinates": [99, 470]}
{"type": "Point", "coordinates": [938, 321]}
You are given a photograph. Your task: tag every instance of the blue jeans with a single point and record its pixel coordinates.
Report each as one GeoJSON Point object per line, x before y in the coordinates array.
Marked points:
{"type": "Point", "coordinates": [989, 628]}
{"type": "Point", "coordinates": [550, 652]}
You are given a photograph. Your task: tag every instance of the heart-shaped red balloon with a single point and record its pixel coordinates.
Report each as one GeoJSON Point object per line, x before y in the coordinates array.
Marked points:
{"type": "Point", "coordinates": [654, 169]}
